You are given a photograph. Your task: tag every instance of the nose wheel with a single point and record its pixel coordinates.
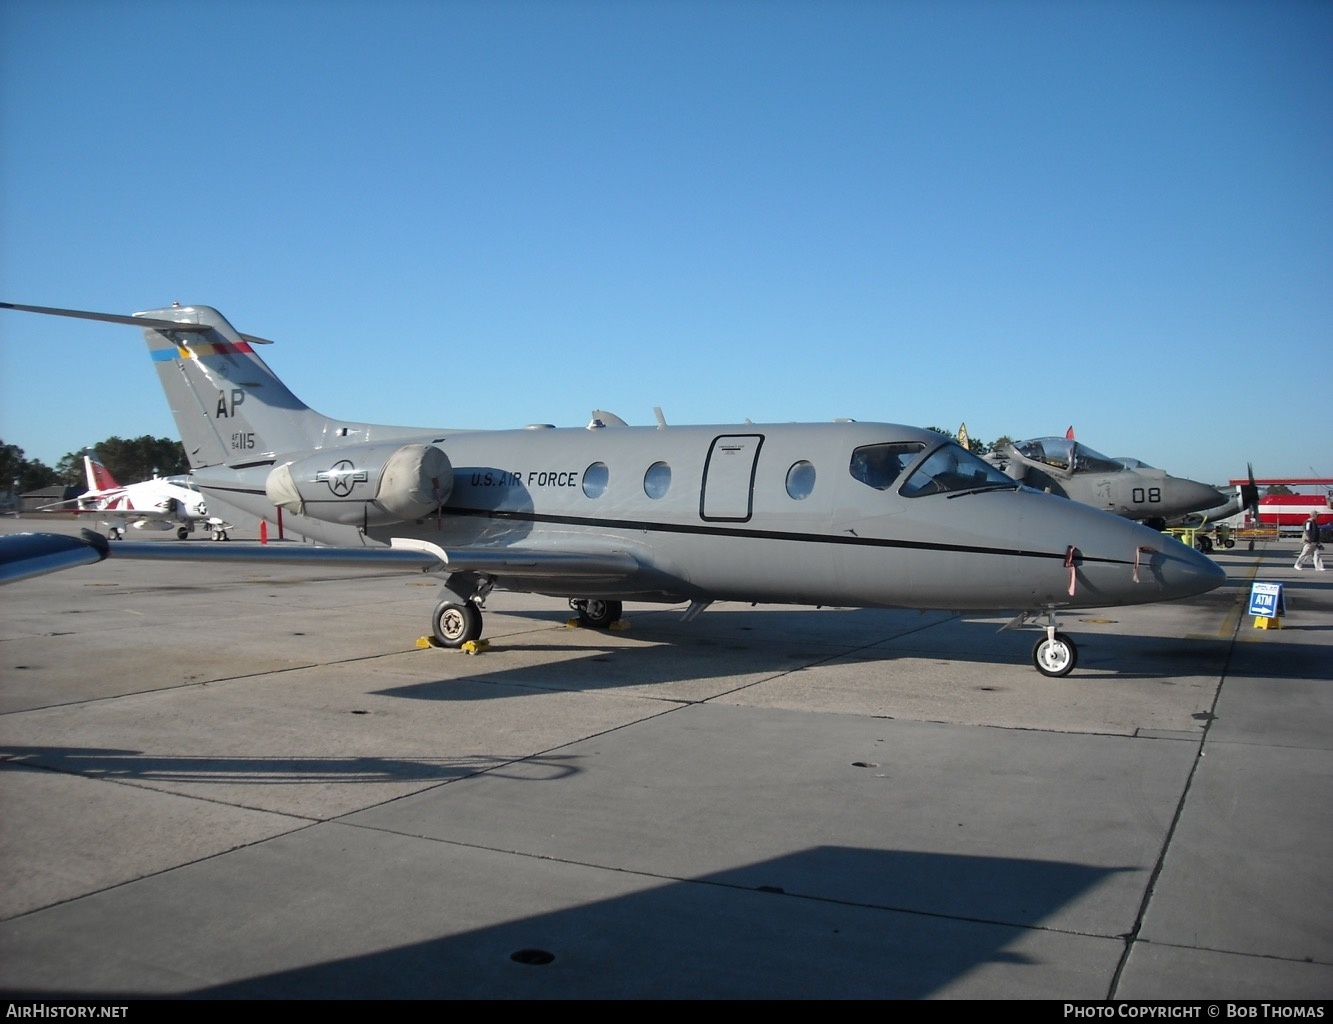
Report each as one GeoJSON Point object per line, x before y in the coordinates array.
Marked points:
{"type": "Point", "coordinates": [1055, 654]}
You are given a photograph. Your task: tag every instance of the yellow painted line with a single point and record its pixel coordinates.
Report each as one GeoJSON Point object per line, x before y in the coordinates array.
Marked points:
{"type": "Point", "coordinates": [1231, 624]}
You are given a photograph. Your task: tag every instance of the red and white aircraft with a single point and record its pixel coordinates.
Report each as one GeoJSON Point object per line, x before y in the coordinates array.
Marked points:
{"type": "Point", "coordinates": [157, 504]}
{"type": "Point", "coordinates": [1293, 509]}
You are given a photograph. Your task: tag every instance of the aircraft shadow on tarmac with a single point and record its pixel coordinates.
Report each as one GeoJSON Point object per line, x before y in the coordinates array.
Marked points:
{"type": "Point", "coordinates": [736, 644]}
{"type": "Point", "coordinates": [825, 922]}
{"type": "Point", "coordinates": [140, 766]}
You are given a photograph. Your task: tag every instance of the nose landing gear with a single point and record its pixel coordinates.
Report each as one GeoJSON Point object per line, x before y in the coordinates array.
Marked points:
{"type": "Point", "coordinates": [1054, 654]}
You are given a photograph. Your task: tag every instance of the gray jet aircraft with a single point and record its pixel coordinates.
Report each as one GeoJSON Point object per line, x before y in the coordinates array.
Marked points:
{"type": "Point", "coordinates": [1124, 487]}
{"type": "Point", "coordinates": [842, 513]}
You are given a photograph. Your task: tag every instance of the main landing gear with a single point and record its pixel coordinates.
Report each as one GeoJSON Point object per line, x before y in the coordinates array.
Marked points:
{"type": "Point", "coordinates": [457, 618]}
{"type": "Point", "coordinates": [596, 613]}
{"type": "Point", "coordinates": [456, 623]}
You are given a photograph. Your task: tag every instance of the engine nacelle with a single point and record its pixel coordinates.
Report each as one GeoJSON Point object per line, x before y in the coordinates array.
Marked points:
{"type": "Point", "coordinates": [364, 485]}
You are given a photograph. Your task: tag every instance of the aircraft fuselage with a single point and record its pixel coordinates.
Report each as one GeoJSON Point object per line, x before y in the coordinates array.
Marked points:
{"type": "Point", "coordinates": [706, 514]}
{"type": "Point", "coordinates": [843, 513]}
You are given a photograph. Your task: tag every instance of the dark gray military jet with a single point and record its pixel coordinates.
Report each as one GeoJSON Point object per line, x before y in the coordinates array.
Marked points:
{"type": "Point", "coordinates": [1124, 487]}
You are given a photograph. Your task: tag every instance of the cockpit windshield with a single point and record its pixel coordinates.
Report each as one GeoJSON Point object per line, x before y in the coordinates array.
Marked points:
{"type": "Point", "coordinates": [879, 465]}
{"type": "Point", "coordinates": [953, 469]}
{"type": "Point", "coordinates": [1070, 456]}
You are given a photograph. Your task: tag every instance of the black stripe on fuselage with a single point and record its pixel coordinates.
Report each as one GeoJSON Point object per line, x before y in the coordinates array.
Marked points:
{"type": "Point", "coordinates": [699, 530]}
{"type": "Point", "coordinates": [752, 534]}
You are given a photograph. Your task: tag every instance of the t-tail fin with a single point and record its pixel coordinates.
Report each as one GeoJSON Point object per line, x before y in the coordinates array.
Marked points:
{"type": "Point", "coordinates": [99, 477]}
{"type": "Point", "coordinates": [228, 404]}
{"type": "Point", "coordinates": [230, 408]}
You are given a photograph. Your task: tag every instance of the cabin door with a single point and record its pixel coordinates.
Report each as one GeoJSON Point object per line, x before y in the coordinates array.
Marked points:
{"type": "Point", "coordinates": [728, 491]}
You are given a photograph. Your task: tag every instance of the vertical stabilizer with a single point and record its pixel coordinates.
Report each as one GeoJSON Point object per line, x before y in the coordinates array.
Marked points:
{"type": "Point", "coordinates": [99, 477]}
{"type": "Point", "coordinates": [229, 406]}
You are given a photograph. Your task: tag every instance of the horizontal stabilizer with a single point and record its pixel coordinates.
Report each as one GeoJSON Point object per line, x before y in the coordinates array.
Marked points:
{"type": "Point", "coordinates": [121, 318]}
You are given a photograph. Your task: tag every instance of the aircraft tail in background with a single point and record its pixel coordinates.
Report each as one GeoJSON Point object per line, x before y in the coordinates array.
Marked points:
{"type": "Point", "coordinates": [98, 476]}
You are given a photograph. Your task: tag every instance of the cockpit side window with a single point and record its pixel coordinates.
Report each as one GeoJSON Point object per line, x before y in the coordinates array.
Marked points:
{"type": "Point", "coordinates": [951, 468]}
{"type": "Point", "coordinates": [879, 465]}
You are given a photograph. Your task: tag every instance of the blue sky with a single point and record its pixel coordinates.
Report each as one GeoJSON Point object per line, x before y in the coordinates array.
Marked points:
{"type": "Point", "coordinates": [1022, 215]}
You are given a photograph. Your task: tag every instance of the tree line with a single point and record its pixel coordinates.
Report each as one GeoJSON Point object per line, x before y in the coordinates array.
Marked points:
{"type": "Point", "coordinates": [134, 459]}
{"type": "Point", "coordinates": [129, 460]}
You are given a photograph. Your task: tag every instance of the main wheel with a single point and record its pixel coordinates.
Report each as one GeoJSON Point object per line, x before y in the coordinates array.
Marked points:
{"type": "Point", "coordinates": [1055, 657]}
{"type": "Point", "coordinates": [599, 614]}
{"type": "Point", "coordinates": [456, 624]}
{"type": "Point", "coordinates": [182, 533]}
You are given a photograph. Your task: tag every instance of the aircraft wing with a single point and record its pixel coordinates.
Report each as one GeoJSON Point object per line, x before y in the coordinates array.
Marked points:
{"type": "Point", "coordinates": [24, 555]}
{"type": "Point", "coordinates": [528, 563]}
{"type": "Point", "coordinates": [406, 554]}
{"type": "Point", "coordinates": [57, 504]}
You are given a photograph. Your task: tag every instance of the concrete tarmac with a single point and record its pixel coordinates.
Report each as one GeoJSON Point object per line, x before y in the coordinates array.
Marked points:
{"type": "Point", "coordinates": [237, 781]}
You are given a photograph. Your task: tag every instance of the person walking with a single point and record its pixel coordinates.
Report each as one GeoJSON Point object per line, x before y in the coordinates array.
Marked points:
{"type": "Point", "coordinates": [1310, 534]}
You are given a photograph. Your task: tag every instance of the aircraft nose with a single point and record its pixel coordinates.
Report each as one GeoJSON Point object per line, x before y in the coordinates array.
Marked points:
{"type": "Point", "coordinates": [1181, 571]}
{"type": "Point", "coordinates": [1198, 497]}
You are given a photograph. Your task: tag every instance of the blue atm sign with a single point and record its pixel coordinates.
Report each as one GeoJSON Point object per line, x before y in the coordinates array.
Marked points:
{"type": "Point", "coordinates": [1266, 600]}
